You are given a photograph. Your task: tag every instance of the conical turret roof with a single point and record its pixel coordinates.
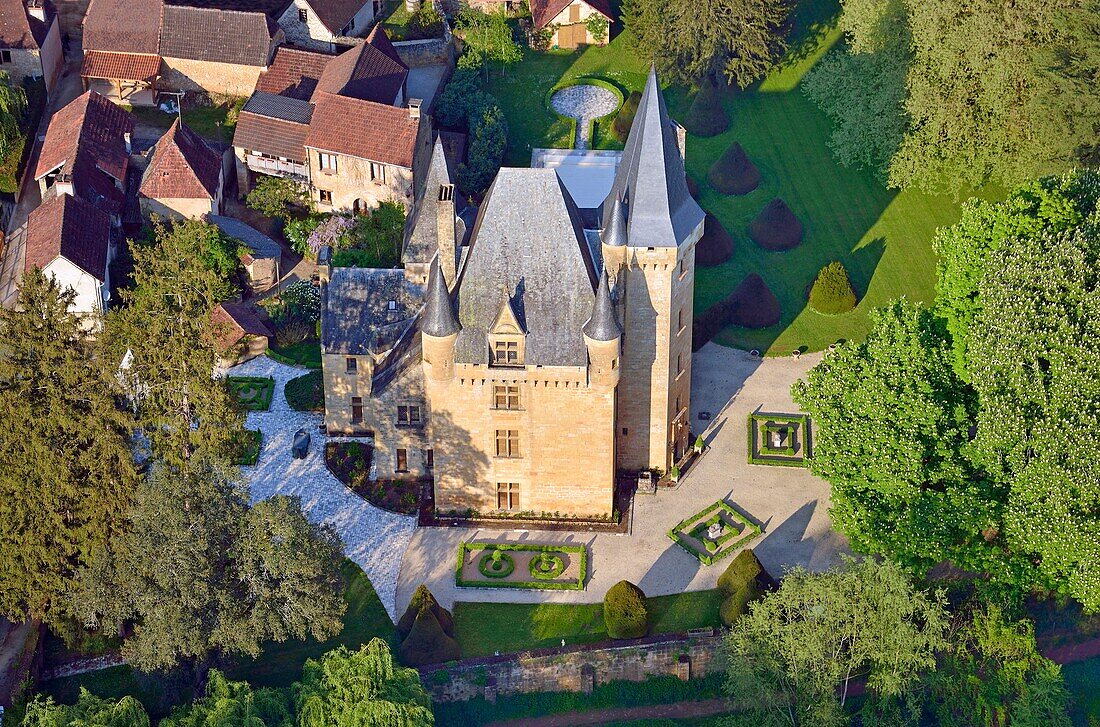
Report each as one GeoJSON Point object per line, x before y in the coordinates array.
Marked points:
{"type": "Point", "coordinates": [602, 326]}
{"type": "Point", "coordinates": [614, 233]}
{"type": "Point", "coordinates": [439, 317]}
{"type": "Point", "coordinates": [650, 179]}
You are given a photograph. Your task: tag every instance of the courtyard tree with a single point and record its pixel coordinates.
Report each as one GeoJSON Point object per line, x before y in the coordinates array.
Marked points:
{"type": "Point", "coordinates": [488, 140]}
{"type": "Point", "coordinates": [279, 197]}
{"type": "Point", "coordinates": [691, 42]}
{"type": "Point", "coordinates": [67, 476]}
{"type": "Point", "coordinates": [361, 687]}
{"type": "Point", "coordinates": [201, 574]}
{"type": "Point", "coordinates": [488, 37]}
{"type": "Point", "coordinates": [794, 655]}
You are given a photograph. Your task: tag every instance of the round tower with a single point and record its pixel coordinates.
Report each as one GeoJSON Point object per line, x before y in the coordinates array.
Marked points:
{"type": "Point", "coordinates": [613, 239]}
{"type": "Point", "coordinates": [602, 336]}
{"type": "Point", "coordinates": [439, 328]}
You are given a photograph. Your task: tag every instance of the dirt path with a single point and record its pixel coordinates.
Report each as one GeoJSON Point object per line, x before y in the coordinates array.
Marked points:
{"type": "Point", "coordinates": [681, 710]}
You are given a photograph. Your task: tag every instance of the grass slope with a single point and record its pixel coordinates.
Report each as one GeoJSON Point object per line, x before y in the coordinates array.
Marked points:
{"type": "Point", "coordinates": [485, 628]}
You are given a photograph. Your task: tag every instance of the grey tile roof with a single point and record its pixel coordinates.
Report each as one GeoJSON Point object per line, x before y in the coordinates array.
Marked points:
{"type": "Point", "coordinates": [221, 36]}
{"type": "Point", "coordinates": [421, 229]}
{"type": "Point", "coordinates": [528, 243]}
{"type": "Point", "coordinates": [279, 107]}
{"type": "Point", "coordinates": [603, 324]}
{"type": "Point", "coordinates": [357, 317]}
{"type": "Point", "coordinates": [650, 179]}
{"type": "Point", "coordinates": [438, 318]}
{"type": "Point", "coordinates": [261, 245]}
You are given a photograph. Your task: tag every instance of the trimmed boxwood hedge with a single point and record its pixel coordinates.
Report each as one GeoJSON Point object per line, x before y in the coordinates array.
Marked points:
{"type": "Point", "coordinates": [776, 228]}
{"type": "Point", "coordinates": [715, 246]}
{"type": "Point", "coordinates": [625, 611]}
{"type": "Point", "coordinates": [751, 531]}
{"type": "Point", "coordinates": [262, 386]}
{"type": "Point", "coordinates": [801, 422]}
{"type": "Point", "coordinates": [706, 116]}
{"type": "Point", "coordinates": [597, 123]}
{"type": "Point", "coordinates": [575, 585]}
{"type": "Point", "coordinates": [751, 305]}
{"type": "Point", "coordinates": [734, 172]}
{"type": "Point", "coordinates": [306, 393]}
{"type": "Point", "coordinates": [832, 291]}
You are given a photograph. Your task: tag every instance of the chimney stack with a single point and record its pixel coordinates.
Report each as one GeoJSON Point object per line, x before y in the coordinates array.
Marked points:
{"type": "Point", "coordinates": [414, 107]}
{"type": "Point", "coordinates": [36, 9]}
{"type": "Point", "coordinates": [127, 138]}
{"type": "Point", "coordinates": [445, 233]}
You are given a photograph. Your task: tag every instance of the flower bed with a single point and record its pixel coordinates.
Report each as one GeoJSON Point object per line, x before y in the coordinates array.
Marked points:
{"type": "Point", "coordinates": [519, 565]}
{"type": "Point", "coordinates": [793, 429]}
{"type": "Point", "coordinates": [350, 462]}
{"type": "Point", "coordinates": [248, 447]}
{"type": "Point", "coordinates": [691, 533]}
{"type": "Point", "coordinates": [253, 392]}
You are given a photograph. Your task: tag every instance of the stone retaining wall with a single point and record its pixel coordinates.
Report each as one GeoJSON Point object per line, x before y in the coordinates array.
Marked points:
{"type": "Point", "coordinates": [575, 669]}
{"type": "Point", "coordinates": [430, 52]}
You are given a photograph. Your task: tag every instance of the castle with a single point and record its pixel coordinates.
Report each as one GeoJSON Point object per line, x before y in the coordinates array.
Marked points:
{"type": "Point", "coordinates": [526, 355]}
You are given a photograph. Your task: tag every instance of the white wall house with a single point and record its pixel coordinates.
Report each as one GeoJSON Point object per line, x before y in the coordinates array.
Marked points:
{"type": "Point", "coordinates": [318, 25]}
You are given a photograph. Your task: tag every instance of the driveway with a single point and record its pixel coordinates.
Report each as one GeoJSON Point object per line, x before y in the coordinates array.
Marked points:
{"type": "Point", "coordinates": [790, 503]}
{"type": "Point", "coordinates": [374, 538]}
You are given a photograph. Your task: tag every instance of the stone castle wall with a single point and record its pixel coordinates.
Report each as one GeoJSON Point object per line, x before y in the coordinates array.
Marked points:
{"type": "Point", "coordinates": [575, 669]}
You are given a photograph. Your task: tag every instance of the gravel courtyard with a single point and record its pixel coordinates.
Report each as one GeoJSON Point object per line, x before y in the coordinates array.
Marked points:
{"type": "Point", "coordinates": [790, 503]}
{"type": "Point", "coordinates": [375, 539]}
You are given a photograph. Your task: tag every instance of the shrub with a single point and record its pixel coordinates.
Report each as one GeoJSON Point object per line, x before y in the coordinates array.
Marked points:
{"type": "Point", "coordinates": [832, 290]}
{"type": "Point", "coordinates": [453, 106]}
{"type": "Point", "coordinates": [620, 127]}
{"type": "Point", "coordinates": [715, 246]}
{"type": "Point", "coordinates": [278, 197]}
{"type": "Point", "coordinates": [292, 332]}
{"type": "Point", "coordinates": [741, 571]}
{"type": "Point", "coordinates": [427, 22]}
{"type": "Point", "coordinates": [751, 305]}
{"type": "Point", "coordinates": [736, 605]}
{"type": "Point", "coordinates": [375, 239]}
{"type": "Point", "coordinates": [488, 139]}
{"type": "Point", "coordinates": [625, 612]}
{"type": "Point", "coordinates": [597, 25]}
{"type": "Point", "coordinates": [298, 230]}
{"type": "Point", "coordinates": [306, 393]}
{"type": "Point", "coordinates": [427, 642]}
{"type": "Point", "coordinates": [422, 598]}
{"type": "Point", "coordinates": [776, 228]}
{"type": "Point", "coordinates": [706, 117]}
{"type": "Point", "coordinates": [302, 300]}
{"type": "Point", "coordinates": [733, 172]}
{"type": "Point", "coordinates": [335, 232]}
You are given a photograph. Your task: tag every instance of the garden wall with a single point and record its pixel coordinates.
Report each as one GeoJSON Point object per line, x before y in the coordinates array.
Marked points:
{"type": "Point", "coordinates": [575, 669]}
{"type": "Point", "coordinates": [430, 52]}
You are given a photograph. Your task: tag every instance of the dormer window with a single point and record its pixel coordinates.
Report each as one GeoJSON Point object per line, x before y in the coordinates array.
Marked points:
{"type": "Point", "coordinates": [303, 15]}
{"type": "Point", "coordinates": [506, 337]}
{"type": "Point", "coordinates": [506, 352]}
{"type": "Point", "coordinates": [392, 305]}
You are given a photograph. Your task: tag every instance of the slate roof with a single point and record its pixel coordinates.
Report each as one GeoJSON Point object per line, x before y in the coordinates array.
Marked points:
{"type": "Point", "coordinates": [86, 140]}
{"type": "Point", "coordinates": [19, 29]}
{"type": "Point", "coordinates": [182, 166]}
{"type": "Point", "coordinates": [363, 129]}
{"type": "Point", "coordinates": [366, 71]}
{"type": "Point", "coordinates": [336, 14]}
{"type": "Point", "coordinates": [237, 320]}
{"type": "Point", "coordinates": [279, 107]}
{"type": "Point", "coordinates": [68, 227]}
{"type": "Point", "coordinates": [123, 26]}
{"type": "Point", "coordinates": [650, 179]}
{"type": "Point", "coordinates": [421, 230]}
{"type": "Point", "coordinates": [222, 36]}
{"type": "Point", "coordinates": [294, 72]}
{"type": "Point", "coordinates": [120, 66]}
{"type": "Point", "coordinates": [262, 246]}
{"type": "Point", "coordinates": [357, 318]}
{"type": "Point", "coordinates": [603, 325]}
{"type": "Point", "coordinates": [438, 318]}
{"type": "Point", "coordinates": [543, 12]}
{"type": "Point", "coordinates": [271, 8]}
{"type": "Point", "coordinates": [527, 242]}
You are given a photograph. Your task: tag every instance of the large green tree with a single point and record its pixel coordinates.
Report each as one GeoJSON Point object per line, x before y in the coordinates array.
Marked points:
{"type": "Point", "coordinates": [690, 41]}
{"type": "Point", "coordinates": [164, 324]}
{"type": "Point", "coordinates": [89, 711]}
{"type": "Point", "coordinates": [233, 704]}
{"type": "Point", "coordinates": [201, 573]}
{"type": "Point", "coordinates": [794, 655]}
{"type": "Point", "coordinates": [363, 687]}
{"type": "Point", "coordinates": [488, 37]}
{"type": "Point", "coordinates": [67, 472]}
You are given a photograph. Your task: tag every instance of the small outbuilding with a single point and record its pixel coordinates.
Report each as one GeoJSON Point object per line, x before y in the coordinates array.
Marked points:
{"type": "Point", "coordinates": [263, 259]}
{"type": "Point", "coordinates": [184, 178]}
{"type": "Point", "coordinates": [241, 335]}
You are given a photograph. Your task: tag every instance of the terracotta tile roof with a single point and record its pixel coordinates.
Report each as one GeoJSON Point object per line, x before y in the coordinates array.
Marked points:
{"type": "Point", "coordinates": [120, 66]}
{"type": "Point", "coordinates": [182, 167]}
{"type": "Point", "coordinates": [363, 129]}
{"type": "Point", "coordinates": [271, 136]}
{"type": "Point", "coordinates": [221, 36]}
{"type": "Point", "coordinates": [64, 226]}
{"type": "Point", "coordinates": [123, 26]}
{"type": "Point", "coordinates": [543, 12]}
{"type": "Point", "coordinates": [293, 72]}
{"type": "Point", "coordinates": [367, 71]}
{"type": "Point", "coordinates": [19, 29]}
{"type": "Point", "coordinates": [236, 320]}
{"type": "Point", "coordinates": [85, 139]}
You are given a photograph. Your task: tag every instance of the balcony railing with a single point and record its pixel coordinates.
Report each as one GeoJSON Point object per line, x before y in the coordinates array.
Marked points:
{"type": "Point", "coordinates": [276, 167]}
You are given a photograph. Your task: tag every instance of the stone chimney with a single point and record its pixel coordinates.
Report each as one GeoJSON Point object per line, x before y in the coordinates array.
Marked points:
{"type": "Point", "coordinates": [126, 136]}
{"type": "Point", "coordinates": [445, 233]}
{"type": "Point", "coordinates": [414, 107]}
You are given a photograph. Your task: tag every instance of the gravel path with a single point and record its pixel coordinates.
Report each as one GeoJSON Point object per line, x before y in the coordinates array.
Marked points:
{"type": "Point", "coordinates": [585, 103]}
{"type": "Point", "coordinates": [374, 538]}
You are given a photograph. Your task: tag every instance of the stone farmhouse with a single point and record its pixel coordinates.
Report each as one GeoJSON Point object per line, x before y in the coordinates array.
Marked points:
{"type": "Point", "coordinates": [568, 20]}
{"type": "Point", "coordinates": [341, 125]}
{"type": "Point", "coordinates": [551, 346]}
{"type": "Point", "coordinates": [322, 24]}
{"type": "Point", "coordinates": [184, 177]}
{"type": "Point", "coordinates": [82, 173]}
{"type": "Point", "coordinates": [30, 41]}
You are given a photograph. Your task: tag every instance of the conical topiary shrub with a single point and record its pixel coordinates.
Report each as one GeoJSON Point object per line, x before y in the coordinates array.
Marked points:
{"type": "Point", "coordinates": [832, 291]}
{"type": "Point", "coordinates": [625, 611]}
{"type": "Point", "coordinates": [426, 642]}
{"type": "Point", "coordinates": [755, 304]}
{"type": "Point", "coordinates": [706, 117]}
{"type": "Point", "coordinates": [776, 228]}
{"type": "Point", "coordinates": [693, 186]}
{"type": "Point", "coordinates": [734, 172]}
{"type": "Point", "coordinates": [620, 127]}
{"type": "Point", "coordinates": [715, 246]}
{"type": "Point", "coordinates": [743, 569]}
{"type": "Point", "coordinates": [422, 598]}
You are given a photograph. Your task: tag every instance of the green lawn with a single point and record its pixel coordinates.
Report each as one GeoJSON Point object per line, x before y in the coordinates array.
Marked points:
{"type": "Point", "coordinates": [212, 122]}
{"type": "Point", "coordinates": [485, 628]}
{"type": "Point", "coordinates": [883, 237]}
{"type": "Point", "coordinates": [307, 353]}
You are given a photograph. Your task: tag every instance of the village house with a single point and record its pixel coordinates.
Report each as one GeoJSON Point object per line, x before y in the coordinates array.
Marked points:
{"type": "Point", "coordinates": [553, 343]}
{"type": "Point", "coordinates": [30, 41]}
{"type": "Point", "coordinates": [342, 126]}
{"type": "Point", "coordinates": [184, 177]}
{"type": "Point", "coordinates": [568, 21]}
{"type": "Point", "coordinates": [322, 23]}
